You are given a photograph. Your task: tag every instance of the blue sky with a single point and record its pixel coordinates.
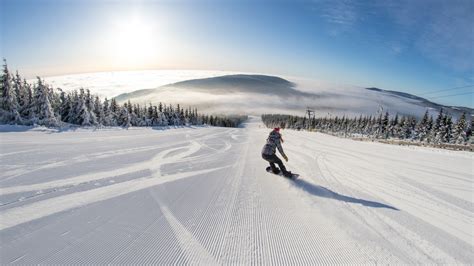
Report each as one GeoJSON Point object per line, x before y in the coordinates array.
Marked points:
{"type": "Point", "coordinates": [412, 46]}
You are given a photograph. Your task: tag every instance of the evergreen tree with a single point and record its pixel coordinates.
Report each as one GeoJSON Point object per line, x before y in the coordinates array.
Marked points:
{"type": "Point", "coordinates": [27, 108]}
{"type": "Point", "coordinates": [124, 117]}
{"type": "Point", "coordinates": [438, 130]}
{"type": "Point", "coordinates": [469, 132]}
{"type": "Point", "coordinates": [99, 111]}
{"type": "Point", "coordinates": [83, 117]}
{"type": "Point", "coordinates": [21, 94]}
{"type": "Point", "coordinates": [160, 107]}
{"type": "Point", "coordinates": [55, 100]}
{"type": "Point", "coordinates": [44, 112]}
{"type": "Point", "coordinates": [422, 129]}
{"type": "Point", "coordinates": [377, 129]}
{"type": "Point", "coordinates": [9, 111]}
{"type": "Point", "coordinates": [459, 134]}
{"type": "Point", "coordinates": [150, 119]}
{"type": "Point", "coordinates": [72, 117]}
{"type": "Point", "coordinates": [448, 129]}
{"type": "Point", "coordinates": [128, 105]}
{"type": "Point", "coordinates": [393, 127]}
{"type": "Point", "coordinates": [106, 112]}
{"type": "Point", "coordinates": [65, 106]}
{"type": "Point", "coordinates": [89, 100]}
{"type": "Point", "coordinates": [385, 125]}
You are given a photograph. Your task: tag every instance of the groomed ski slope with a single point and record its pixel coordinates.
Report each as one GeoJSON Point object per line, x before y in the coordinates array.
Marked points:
{"type": "Point", "coordinates": [202, 196]}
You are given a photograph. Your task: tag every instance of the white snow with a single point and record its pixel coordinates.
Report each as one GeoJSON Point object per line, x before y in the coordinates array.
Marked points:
{"type": "Point", "coordinates": [202, 196]}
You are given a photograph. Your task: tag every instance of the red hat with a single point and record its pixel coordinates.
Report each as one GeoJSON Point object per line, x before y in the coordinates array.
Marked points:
{"type": "Point", "coordinates": [277, 129]}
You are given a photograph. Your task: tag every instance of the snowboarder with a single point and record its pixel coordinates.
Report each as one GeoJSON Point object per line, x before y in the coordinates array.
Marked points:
{"type": "Point", "coordinates": [274, 141]}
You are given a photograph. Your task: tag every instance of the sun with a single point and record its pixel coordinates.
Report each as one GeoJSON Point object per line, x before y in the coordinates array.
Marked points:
{"type": "Point", "coordinates": [133, 41]}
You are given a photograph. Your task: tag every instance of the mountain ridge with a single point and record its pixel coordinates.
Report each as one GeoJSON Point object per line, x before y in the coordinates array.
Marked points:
{"type": "Point", "coordinates": [239, 91]}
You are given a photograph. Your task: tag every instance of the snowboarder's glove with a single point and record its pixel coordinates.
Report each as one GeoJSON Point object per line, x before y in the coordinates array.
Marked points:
{"type": "Point", "coordinates": [285, 157]}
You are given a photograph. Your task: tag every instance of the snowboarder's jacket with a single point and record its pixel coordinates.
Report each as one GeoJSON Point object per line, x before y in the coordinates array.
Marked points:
{"type": "Point", "coordinates": [273, 142]}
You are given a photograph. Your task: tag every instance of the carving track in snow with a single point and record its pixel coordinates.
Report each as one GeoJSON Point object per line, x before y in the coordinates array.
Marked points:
{"type": "Point", "coordinates": [202, 196]}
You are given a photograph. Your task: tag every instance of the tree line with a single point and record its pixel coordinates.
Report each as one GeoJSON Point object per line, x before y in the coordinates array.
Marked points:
{"type": "Point", "coordinates": [426, 130]}
{"type": "Point", "coordinates": [23, 103]}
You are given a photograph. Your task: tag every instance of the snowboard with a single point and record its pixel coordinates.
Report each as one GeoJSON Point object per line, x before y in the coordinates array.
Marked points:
{"type": "Point", "coordinates": [293, 175]}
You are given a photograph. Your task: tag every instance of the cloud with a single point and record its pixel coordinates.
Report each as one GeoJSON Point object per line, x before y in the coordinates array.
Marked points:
{"type": "Point", "coordinates": [440, 31]}
{"type": "Point", "coordinates": [448, 37]}
{"type": "Point", "coordinates": [341, 15]}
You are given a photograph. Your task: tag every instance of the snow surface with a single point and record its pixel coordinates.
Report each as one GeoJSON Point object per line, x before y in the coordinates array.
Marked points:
{"type": "Point", "coordinates": [202, 196]}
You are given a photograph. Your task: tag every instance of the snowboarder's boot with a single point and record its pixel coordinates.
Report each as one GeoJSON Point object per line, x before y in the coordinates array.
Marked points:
{"type": "Point", "coordinates": [288, 174]}
{"type": "Point", "coordinates": [276, 171]}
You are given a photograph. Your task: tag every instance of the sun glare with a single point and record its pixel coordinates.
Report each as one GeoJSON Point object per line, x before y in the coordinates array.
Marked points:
{"type": "Point", "coordinates": [133, 42]}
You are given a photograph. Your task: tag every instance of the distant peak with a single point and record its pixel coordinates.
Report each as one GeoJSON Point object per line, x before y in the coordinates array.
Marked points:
{"type": "Point", "coordinates": [239, 78]}
{"type": "Point", "coordinates": [374, 89]}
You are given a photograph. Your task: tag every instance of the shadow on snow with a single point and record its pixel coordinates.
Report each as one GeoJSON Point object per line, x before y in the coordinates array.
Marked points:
{"type": "Point", "coordinates": [327, 193]}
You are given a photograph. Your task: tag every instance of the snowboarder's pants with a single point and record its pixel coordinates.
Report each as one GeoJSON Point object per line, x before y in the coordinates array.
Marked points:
{"type": "Point", "coordinates": [272, 159]}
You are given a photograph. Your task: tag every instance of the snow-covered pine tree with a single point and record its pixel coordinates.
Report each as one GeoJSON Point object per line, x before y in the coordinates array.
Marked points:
{"type": "Point", "coordinates": [448, 129]}
{"type": "Point", "coordinates": [402, 127]}
{"type": "Point", "coordinates": [55, 101]}
{"type": "Point", "coordinates": [27, 108]}
{"type": "Point", "coordinates": [459, 132]}
{"type": "Point", "coordinates": [72, 117]}
{"type": "Point", "coordinates": [124, 119]}
{"type": "Point", "coordinates": [129, 107]}
{"type": "Point", "coordinates": [429, 127]}
{"type": "Point", "coordinates": [115, 111]}
{"type": "Point", "coordinates": [438, 128]}
{"type": "Point", "coordinates": [372, 126]}
{"type": "Point", "coordinates": [199, 120]}
{"type": "Point", "coordinates": [65, 106]}
{"type": "Point", "coordinates": [9, 108]}
{"type": "Point", "coordinates": [377, 129]}
{"type": "Point", "coordinates": [393, 127]}
{"type": "Point", "coordinates": [44, 113]}
{"type": "Point", "coordinates": [469, 132]}
{"type": "Point", "coordinates": [108, 119]}
{"type": "Point", "coordinates": [174, 116]}
{"type": "Point", "coordinates": [385, 125]}
{"type": "Point", "coordinates": [186, 117]}
{"type": "Point", "coordinates": [21, 95]}
{"type": "Point", "coordinates": [163, 119]}
{"type": "Point", "coordinates": [155, 117]}
{"type": "Point", "coordinates": [178, 110]}
{"type": "Point", "coordinates": [357, 126]}
{"type": "Point", "coordinates": [90, 107]}
{"type": "Point", "coordinates": [99, 111]}
{"type": "Point", "coordinates": [422, 128]}
{"type": "Point", "coordinates": [3, 78]}
{"type": "Point", "coordinates": [83, 114]}
{"type": "Point", "coordinates": [149, 116]}
{"type": "Point", "coordinates": [139, 115]}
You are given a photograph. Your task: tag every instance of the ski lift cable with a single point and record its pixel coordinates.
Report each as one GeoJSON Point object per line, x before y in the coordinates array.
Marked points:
{"type": "Point", "coordinates": [450, 95]}
{"type": "Point", "coordinates": [455, 88]}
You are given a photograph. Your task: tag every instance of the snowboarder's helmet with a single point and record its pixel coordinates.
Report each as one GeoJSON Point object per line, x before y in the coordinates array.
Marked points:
{"type": "Point", "coordinates": [277, 129]}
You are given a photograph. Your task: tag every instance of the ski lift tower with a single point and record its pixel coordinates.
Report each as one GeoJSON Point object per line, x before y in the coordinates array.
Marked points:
{"type": "Point", "coordinates": [310, 113]}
